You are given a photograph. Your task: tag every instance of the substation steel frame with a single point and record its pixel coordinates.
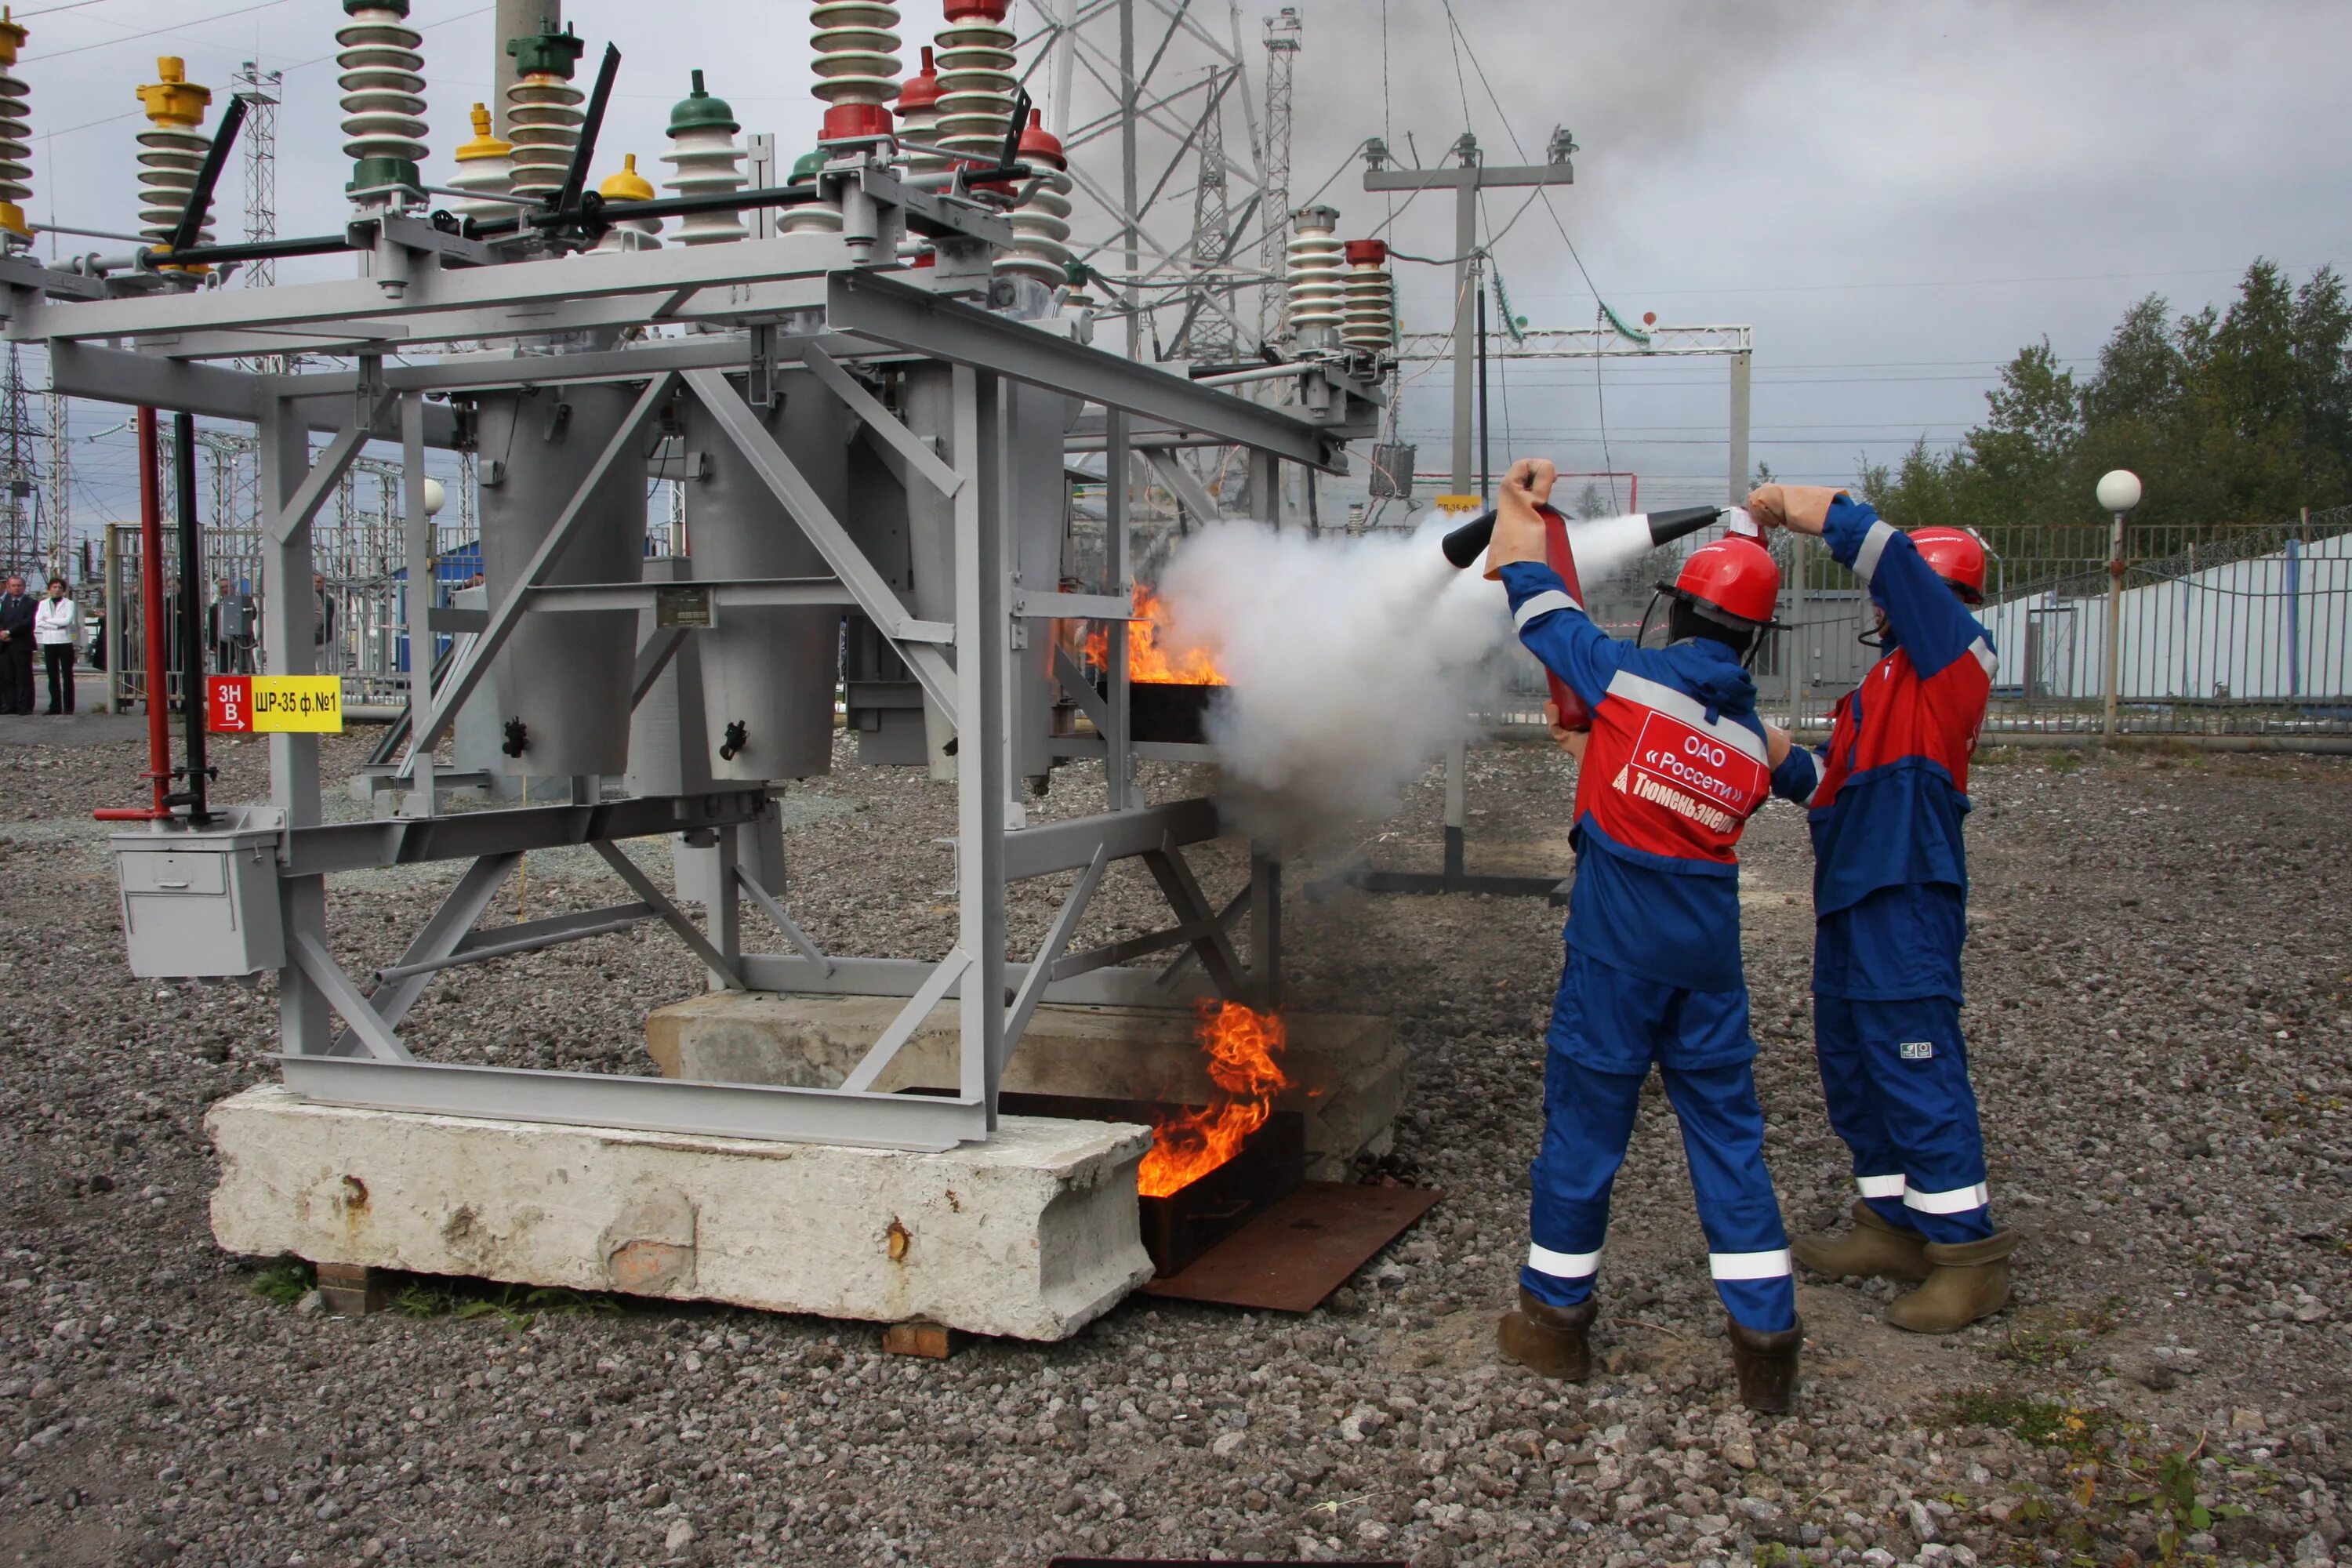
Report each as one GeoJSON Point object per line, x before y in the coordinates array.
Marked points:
{"type": "Point", "coordinates": [768, 309]}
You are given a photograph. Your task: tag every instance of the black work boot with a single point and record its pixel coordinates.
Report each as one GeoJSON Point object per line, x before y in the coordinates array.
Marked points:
{"type": "Point", "coordinates": [1552, 1341]}
{"type": "Point", "coordinates": [1765, 1366]}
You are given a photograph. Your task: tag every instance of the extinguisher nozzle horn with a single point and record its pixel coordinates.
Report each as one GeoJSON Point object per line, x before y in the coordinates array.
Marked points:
{"type": "Point", "coordinates": [1467, 544]}
{"type": "Point", "coordinates": [1666, 526]}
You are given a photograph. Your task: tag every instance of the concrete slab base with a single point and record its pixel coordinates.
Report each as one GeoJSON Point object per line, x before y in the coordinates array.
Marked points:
{"type": "Point", "coordinates": [1032, 1235]}
{"type": "Point", "coordinates": [1347, 1071]}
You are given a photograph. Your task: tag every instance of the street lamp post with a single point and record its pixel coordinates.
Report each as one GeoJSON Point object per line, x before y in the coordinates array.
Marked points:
{"type": "Point", "coordinates": [2119, 492]}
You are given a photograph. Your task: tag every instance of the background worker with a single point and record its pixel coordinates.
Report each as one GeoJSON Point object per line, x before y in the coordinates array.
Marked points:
{"type": "Point", "coordinates": [1887, 796]}
{"type": "Point", "coordinates": [57, 626]}
{"type": "Point", "coordinates": [1676, 763]}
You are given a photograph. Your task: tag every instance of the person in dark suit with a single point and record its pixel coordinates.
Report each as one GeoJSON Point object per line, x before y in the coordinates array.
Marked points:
{"type": "Point", "coordinates": [17, 654]}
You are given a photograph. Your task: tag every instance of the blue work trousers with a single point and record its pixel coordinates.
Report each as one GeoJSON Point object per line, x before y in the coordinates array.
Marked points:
{"type": "Point", "coordinates": [1615, 1019]}
{"type": "Point", "coordinates": [1894, 1075]}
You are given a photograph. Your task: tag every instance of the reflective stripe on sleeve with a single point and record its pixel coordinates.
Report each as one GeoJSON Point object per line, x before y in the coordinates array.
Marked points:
{"type": "Point", "coordinates": [1812, 774]}
{"type": "Point", "coordinates": [1879, 1186]}
{"type": "Point", "coordinates": [1543, 603]}
{"type": "Point", "coordinates": [1984, 656]}
{"type": "Point", "coordinates": [1562, 1264]}
{"type": "Point", "coordinates": [1959, 1200]}
{"type": "Point", "coordinates": [1873, 544]}
{"type": "Point", "coordinates": [1749, 1265]}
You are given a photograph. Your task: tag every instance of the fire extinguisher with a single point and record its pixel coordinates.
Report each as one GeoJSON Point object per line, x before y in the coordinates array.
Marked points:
{"type": "Point", "coordinates": [1569, 708]}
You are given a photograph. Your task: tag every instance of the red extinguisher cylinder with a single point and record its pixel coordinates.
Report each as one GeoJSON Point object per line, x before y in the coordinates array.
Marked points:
{"type": "Point", "coordinates": [1573, 714]}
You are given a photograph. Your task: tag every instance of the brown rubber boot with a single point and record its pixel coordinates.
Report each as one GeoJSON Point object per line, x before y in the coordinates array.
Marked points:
{"type": "Point", "coordinates": [1872, 1249]}
{"type": "Point", "coordinates": [1765, 1366]}
{"type": "Point", "coordinates": [1552, 1341]}
{"type": "Point", "coordinates": [1968, 1281]}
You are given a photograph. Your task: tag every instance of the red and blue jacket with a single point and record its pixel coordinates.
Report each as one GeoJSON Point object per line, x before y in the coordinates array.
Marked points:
{"type": "Point", "coordinates": [1674, 768]}
{"type": "Point", "coordinates": [1888, 794]}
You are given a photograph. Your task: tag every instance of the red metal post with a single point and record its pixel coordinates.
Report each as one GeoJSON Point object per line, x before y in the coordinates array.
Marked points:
{"type": "Point", "coordinates": [151, 609]}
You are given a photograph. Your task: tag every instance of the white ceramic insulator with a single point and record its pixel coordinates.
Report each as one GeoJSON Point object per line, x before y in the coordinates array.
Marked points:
{"type": "Point", "coordinates": [976, 64]}
{"type": "Point", "coordinates": [1041, 234]}
{"type": "Point", "coordinates": [705, 160]}
{"type": "Point", "coordinates": [1315, 270]}
{"type": "Point", "coordinates": [857, 46]}
{"type": "Point", "coordinates": [491, 176]}
{"type": "Point", "coordinates": [1368, 308]}
{"type": "Point", "coordinates": [384, 86]}
{"type": "Point", "coordinates": [809, 217]}
{"type": "Point", "coordinates": [922, 125]}
{"type": "Point", "coordinates": [543, 118]}
{"type": "Point", "coordinates": [169, 159]}
{"type": "Point", "coordinates": [630, 234]}
{"type": "Point", "coordinates": [15, 137]}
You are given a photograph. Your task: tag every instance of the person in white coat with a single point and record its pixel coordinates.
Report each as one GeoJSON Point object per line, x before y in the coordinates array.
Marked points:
{"type": "Point", "coordinates": [57, 626]}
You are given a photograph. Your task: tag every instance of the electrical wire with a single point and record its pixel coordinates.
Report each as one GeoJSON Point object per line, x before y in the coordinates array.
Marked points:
{"type": "Point", "coordinates": [158, 32]}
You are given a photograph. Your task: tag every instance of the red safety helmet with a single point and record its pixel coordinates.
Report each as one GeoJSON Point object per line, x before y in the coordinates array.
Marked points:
{"type": "Point", "coordinates": [1956, 555]}
{"type": "Point", "coordinates": [1734, 580]}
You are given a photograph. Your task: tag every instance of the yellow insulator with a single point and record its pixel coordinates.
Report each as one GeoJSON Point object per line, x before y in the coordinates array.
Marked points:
{"type": "Point", "coordinates": [629, 234]}
{"type": "Point", "coordinates": [16, 131]}
{"type": "Point", "coordinates": [173, 150]}
{"type": "Point", "coordinates": [484, 166]}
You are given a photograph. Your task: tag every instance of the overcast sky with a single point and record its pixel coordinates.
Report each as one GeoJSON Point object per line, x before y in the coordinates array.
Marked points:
{"type": "Point", "coordinates": [1894, 196]}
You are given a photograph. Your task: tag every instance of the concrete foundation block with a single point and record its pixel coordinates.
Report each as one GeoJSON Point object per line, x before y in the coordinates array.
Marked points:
{"type": "Point", "coordinates": [1033, 1233]}
{"type": "Point", "coordinates": [1347, 1071]}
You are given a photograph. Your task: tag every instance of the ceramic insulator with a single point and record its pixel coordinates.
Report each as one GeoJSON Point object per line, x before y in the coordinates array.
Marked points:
{"type": "Point", "coordinates": [704, 160]}
{"type": "Point", "coordinates": [856, 48]}
{"type": "Point", "coordinates": [1369, 308]}
{"type": "Point", "coordinates": [15, 135]}
{"type": "Point", "coordinates": [1041, 234]}
{"type": "Point", "coordinates": [1314, 286]}
{"type": "Point", "coordinates": [384, 86]}
{"type": "Point", "coordinates": [169, 159]}
{"type": "Point", "coordinates": [976, 85]}
{"type": "Point", "coordinates": [543, 118]}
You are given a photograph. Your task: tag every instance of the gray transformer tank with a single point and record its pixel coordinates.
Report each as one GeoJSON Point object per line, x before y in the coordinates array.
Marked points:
{"type": "Point", "coordinates": [768, 673]}
{"type": "Point", "coordinates": [564, 676]}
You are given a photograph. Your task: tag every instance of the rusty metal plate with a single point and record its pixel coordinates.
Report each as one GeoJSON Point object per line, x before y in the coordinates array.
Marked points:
{"type": "Point", "coordinates": [1291, 1257]}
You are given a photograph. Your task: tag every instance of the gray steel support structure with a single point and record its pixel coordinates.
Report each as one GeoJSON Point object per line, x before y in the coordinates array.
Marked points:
{"type": "Point", "coordinates": [793, 310]}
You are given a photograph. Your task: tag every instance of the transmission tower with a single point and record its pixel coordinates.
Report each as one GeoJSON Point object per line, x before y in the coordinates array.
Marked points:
{"type": "Point", "coordinates": [1281, 54]}
{"type": "Point", "coordinates": [20, 473]}
{"type": "Point", "coordinates": [261, 90]}
{"type": "Point", "coordinates": [1208, 334]}
{"type": "Point", "coordinates": [58, 495]}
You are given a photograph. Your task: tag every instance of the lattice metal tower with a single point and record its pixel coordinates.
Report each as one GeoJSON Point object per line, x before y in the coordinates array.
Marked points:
{"type": "Point", "coordinates": [1282, 37]}
{"type": "Point", "coordinates": [20, 477]}
{"type": "Point", "coordinates": [1209, 332]}
{"type": "Point", "coordinates": [261, 90]}
{"type": "Point", "coordinates": [58, 492]}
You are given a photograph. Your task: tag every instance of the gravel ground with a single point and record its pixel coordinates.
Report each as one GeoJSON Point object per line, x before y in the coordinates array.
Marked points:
{"type": "Point", "coordinates": [2159, 1010]}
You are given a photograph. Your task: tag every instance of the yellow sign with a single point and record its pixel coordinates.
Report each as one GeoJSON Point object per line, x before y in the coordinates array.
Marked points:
{"type": "Point", "coordinates": [305, 702]}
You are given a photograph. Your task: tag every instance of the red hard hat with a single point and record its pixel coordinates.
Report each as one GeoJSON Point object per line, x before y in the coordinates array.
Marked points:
{"type": "Point", "coordinates": [1735, 576]}
{"type": "Point", "coordinates": [1956, 555]}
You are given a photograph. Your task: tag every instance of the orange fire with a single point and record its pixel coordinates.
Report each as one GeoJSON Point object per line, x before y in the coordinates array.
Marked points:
{"type": "Point", "coordinates": [1145, 660]}
{"type": "Point", "coordinates": [1242, 1045]}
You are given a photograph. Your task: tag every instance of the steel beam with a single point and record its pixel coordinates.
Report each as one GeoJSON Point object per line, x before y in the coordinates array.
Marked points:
{"type": "Point", "coordinates": [320, 850]}
{"type": "Point", "coordinates": [403, 982]}
{"type": "Point", "coordinates": [310, 957]}
{"type": "Point", "coordinates": [885, 425]}
{"type": "Point", "coordinates": [1067, 846]}
{"type": "Point", "coordinates": [918, 1121]}
{"type": "Point", "coordinates": [870, 305]}
{"type": "Point", "coordinates": [928, 996]}
{"type": "Point", "coordinates": [722, 968]}
{"type": "Point", "coordinates": [1137, 987]}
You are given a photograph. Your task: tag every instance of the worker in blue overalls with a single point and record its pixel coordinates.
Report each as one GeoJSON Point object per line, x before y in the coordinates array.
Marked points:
{"type": "Point", "coordinates": [1676, 764]}
{"type": "Point", "coordinates": [1887, 796]}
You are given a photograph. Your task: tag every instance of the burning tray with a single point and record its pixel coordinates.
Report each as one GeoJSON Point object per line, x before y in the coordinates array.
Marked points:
{"type": "Point", "coordinates": [1166, 709]}
{"type": "Point", "coordinates": [1178, 1229]}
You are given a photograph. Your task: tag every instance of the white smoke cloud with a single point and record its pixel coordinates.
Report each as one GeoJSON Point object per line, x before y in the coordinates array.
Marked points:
{"type": "Point", "coordinates": [1353, 662]}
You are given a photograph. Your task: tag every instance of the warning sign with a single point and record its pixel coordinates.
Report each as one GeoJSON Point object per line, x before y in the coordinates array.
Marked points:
{"type": "Point", "coordinates": [274, 704]}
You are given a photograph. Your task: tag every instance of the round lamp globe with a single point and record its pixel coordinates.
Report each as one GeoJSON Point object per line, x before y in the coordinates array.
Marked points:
{"type": "Point", "coordinates": [2118, 491]}
{"type": "Point", "coordinates": [436, 495]}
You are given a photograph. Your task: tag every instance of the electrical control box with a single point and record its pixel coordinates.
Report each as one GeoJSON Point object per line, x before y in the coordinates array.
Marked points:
{"type": "Point", "coordinates": [200, 903]}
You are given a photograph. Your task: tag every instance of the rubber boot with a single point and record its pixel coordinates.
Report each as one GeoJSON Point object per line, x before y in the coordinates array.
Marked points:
{"type": "Point", "coordinates": [1967, 1281]}
{"type": "Point", "coordinates": [1874, 1249]}
{"type": "Point", "coordinates": [1765, 1364]}
{"type": "Point", "coordinates": [1552, 1341]}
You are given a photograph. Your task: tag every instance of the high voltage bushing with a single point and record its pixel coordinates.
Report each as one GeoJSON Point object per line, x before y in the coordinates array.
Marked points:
{"type": "Point", "coordinates": [543, 111]}
{"type": "Point", "coordinates": [1368, 308]}
{"type": "Point", "coordinates": [1313, 264]}
{"type": "Point", "coordinates": [382, 81]}
{"type": "Point", "coordinates": [629, 232]}
{"type": "Point", "coordinates": [172, 151]}
{"type": "Point", "coordinates": [704, 157]}
{"type": "Point", "coordinates": [813, 216]}
{"type": "Point", "coordinates": [1041, 225]}
{"type": "Point", "coordinates": [857, 67]}
{"type": "Point", "coordinates": [16, 133]}
{"type": "Point", "coordinates": [976, 83]}
{"type": "Point", "coordinates": [485, 165]}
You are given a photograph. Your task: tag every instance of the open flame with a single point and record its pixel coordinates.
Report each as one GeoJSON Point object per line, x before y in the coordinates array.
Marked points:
{"type": "Point", "coordinates": [1242, 1046]}
{"type": "Point", "coordinates": [1145, 660]}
